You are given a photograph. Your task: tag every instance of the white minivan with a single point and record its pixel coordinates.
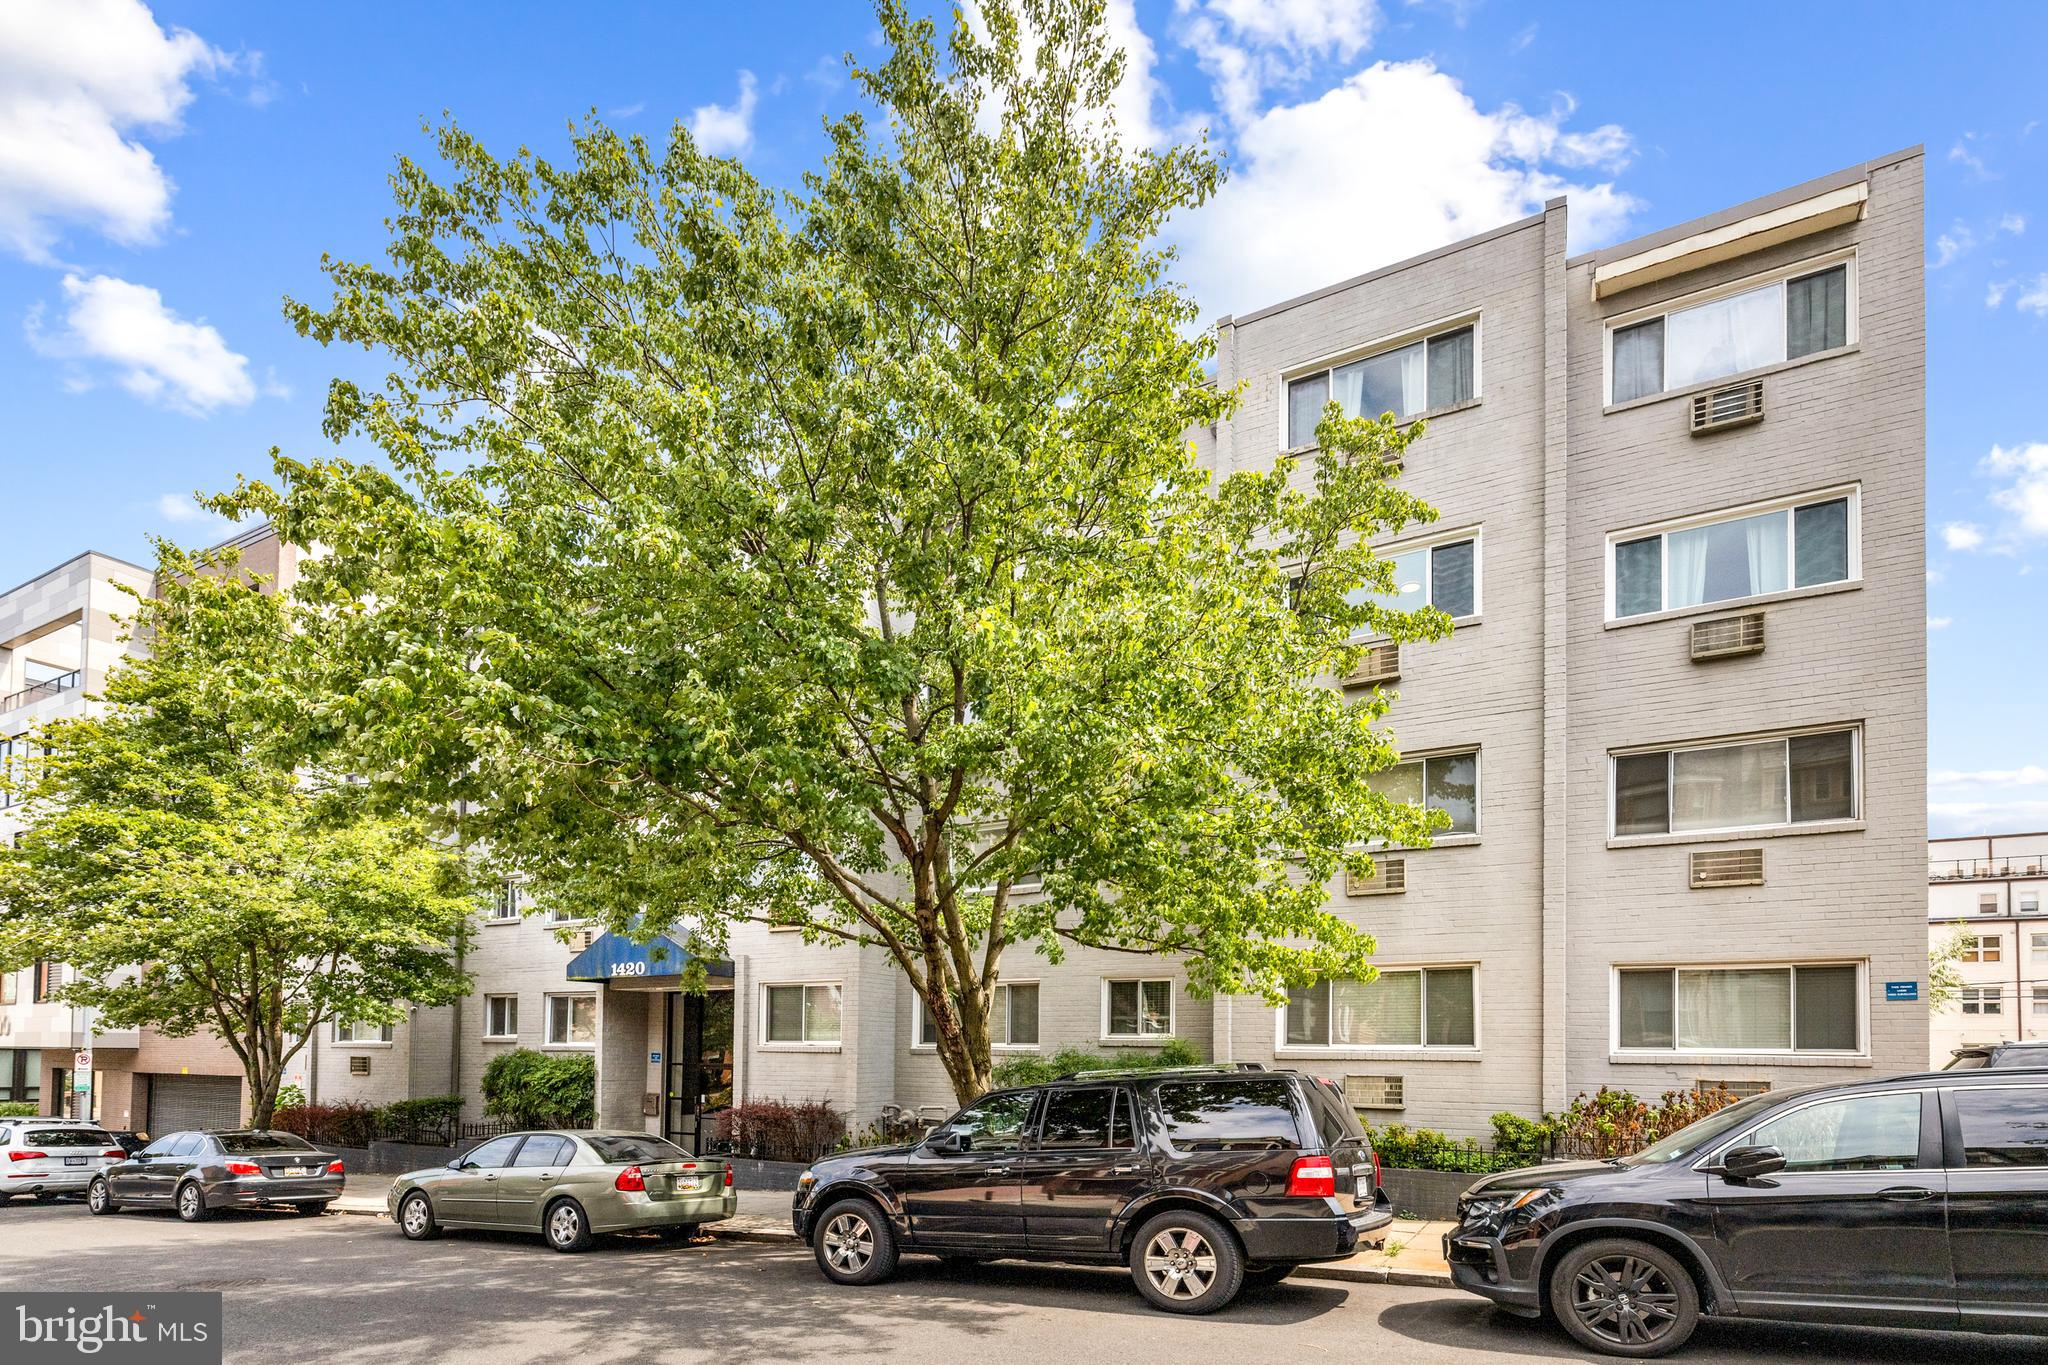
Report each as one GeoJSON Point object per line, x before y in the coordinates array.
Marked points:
{"type": "Point", "coordinates": [46, 1157]}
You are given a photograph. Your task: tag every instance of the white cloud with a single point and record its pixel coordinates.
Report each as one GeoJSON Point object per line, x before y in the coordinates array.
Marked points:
{"type": "Point", "coordinates": [81, 81]}
{"type": "Point", "coordinates": [1995, 292]}
{"type": "Point", "coordinates": [2035, 300]}
{"type": "Point", "coordinates": [2025, 495]}
{"type": "Point", "coordinates": [180, 509]}
{"type": "Point", "coordinates": [1249, 46]}
{"type": "Point", "coordinates": [1138, 91]}
{"type": "Point", "coordinates": [727, 129]}
{"type": "Point", "coordinates": [2028, 775]}
{"type": "Point", "coordinates": [1940, 622]}
{"type": "Point", "coordinates": [1394, 161]}
{"type": "Point", "coordinates": [626, 111]}
{"type": "Point", "coordinates": [1962, 535]}
{"type": "Point", "coordinates": [1951, 244]}
{"type": "Point", "coordinates": [1934, 575]}
{"type": "Point", "coordinates": [1964, 155]}
{"type": "Point", "coordinates": [1950, 818]}
{"type": "Point", "coordinates": [156, 355]}
{"type": "Point", "coordinates": [2014, 223]}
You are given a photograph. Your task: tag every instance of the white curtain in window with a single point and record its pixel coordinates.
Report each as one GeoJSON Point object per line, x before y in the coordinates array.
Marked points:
{"type": "Point", "coordinates": [1685, 554]}
{"type": "Point", "coordinates": [1765, 538]}
{"type": "Point", "coordinates": [1396, 382]}
{"type": "Point", "coordinates": [1727, 336]}
{"type": "Point", "coordinates": [1735, 1008]}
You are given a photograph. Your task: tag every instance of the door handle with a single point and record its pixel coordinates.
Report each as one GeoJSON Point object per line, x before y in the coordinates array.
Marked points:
{"type": "Point", "coordinates": [1905, 1193]}
{"type": "Point", "coordinates": [1124, 1170]}
{"type": "Point", "coordinates": [490, 1177]}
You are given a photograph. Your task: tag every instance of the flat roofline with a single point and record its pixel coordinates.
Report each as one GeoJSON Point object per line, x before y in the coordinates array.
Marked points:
{"type": "Point", "coordinates": [2015, 834]}
{"type": "Point", "coordinates": [1792, 194]}
{"type": "Point", "coordinates": [33, 579]}
{"type": "Point", "coordinates": [253, 534]}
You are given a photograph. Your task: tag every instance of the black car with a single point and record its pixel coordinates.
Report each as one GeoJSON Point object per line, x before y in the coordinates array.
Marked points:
{"type": "Point", "coordinates": [1920, 1201]}
{"type": "Point", "coordinates": [1992, 1056]}
{"type": "Point", "coordinates": [198, 1173]}
{"type": "Point", "coordinates": [1202, 1180]}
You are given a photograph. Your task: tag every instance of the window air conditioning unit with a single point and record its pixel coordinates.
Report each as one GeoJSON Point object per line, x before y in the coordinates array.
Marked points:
{"type": "Point", "coordinates": [1380, 664]}
{"type": "Point", "coordinates": [1734, 406]}
{"type": "Point", "coordinates": [1389, 877]}
{"type": "Point", "coordinates": [1728, 637]}
{"type": "Point", "coordinates": [1374, 1092]}
{"type": "Point", "coordinates": [584, 938]}
{"type": "Point", "coordinates": [1727, 867]}
{"type": "Point", "coordinates": [1741, 1090]}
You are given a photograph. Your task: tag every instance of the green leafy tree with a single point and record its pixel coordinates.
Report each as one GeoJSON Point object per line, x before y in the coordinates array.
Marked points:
{"type": "Point", "coordinates": [194, 882]}
{"type": "Point", "coordinates": [842, 560]}
{"type": "Point", "coordinates": [1944, 970]}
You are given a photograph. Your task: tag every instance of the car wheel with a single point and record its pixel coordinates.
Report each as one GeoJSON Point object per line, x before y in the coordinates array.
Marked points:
{"type": "Point", "coordinates": [99, 1198]}
{"type": "Point", "coordinates": [1186, 1262]}
{"type": "Point", "coordinates": [854, 1243]}
{"type": "Point", "coordinates": [1266, 1276]}
{"type": "Point", "coordinates": [566, 1226]}
{"type": "Point", "coordinates": [416, 1218]}
{"type": "Point", "coordinates": [1624, 1298]}
{"type": "Point", "coordinates": [192, 1203]}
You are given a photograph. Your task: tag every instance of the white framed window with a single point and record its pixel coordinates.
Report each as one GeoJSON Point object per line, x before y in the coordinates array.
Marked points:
{"type": "Point", "coordinates": [1013, 1018]}
{"type": "Point", "coordinates": [2041, 1002]}
{"type": "Point", "coordinates": [802, 1014]}
{"type": "Point", "coordinates": [2030, 902]}
{"type": "Point", "coordinates": [1981, 1000]}
{"type": "Point", "coordinates": [1983, 948]}
{"type": "Point", "coordinates": [2038, 946]}
{"type": "Point", "coordinates": [1442, 572]}
{"type": "Point", "coordinates": [1418, 1007]}
{"type": "Point", "coordinates": [1137, 1008]}
{"type": "Point", "coordinates": [557, 915]}
{"type": "Point", "coordinates": [1438, 782]}
{"type": "Point", "coordinates": [1436, 368]}
{"type": "Point", "coordinates": [1987, 902]}
{"type": "Point", "coordinates": [572, 1021]}
{"type": "Point", "coordinates": [505, 901]}
{"type": "Point", "coordinates": [501, 1017]}
{"type": "Point", "coordinates": [1736, 554]}
{"type": "Point", "coordinates": [1746, 1007]}
{"type": "Point", "coordinates": [1807, 777]}
{"type": "Point", "coordinates": [358, 1031]}
{"type": "Point", "coordinates": [1763, 321]}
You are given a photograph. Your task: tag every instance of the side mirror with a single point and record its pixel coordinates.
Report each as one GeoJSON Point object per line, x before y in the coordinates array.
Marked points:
{"type": "Point", "coordinates": [950, 1141]}
{"type": "Point", "coordinates": [459, 1164]}
{"type": "Point", "coordinates": [1751, 1163]}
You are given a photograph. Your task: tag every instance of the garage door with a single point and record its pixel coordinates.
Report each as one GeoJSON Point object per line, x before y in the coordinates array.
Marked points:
{"type": "Point", "coordinates": [179, 1102]}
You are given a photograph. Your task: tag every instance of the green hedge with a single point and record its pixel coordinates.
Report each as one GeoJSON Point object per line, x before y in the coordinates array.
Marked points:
{"type": "Point", "coordinates": [17, 1109]}
{"type": "Point", "coordinates": [532, 1089]}
{"type": "Point", "coordinates": [1038, 1070]}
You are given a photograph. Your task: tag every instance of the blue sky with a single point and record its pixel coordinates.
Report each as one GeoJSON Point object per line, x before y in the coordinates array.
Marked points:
{"type": "Point", "coordinates": [168, 172]}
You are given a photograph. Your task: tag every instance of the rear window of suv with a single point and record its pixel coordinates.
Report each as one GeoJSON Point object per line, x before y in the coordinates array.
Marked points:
{"type": "Point", "coordinates": [1251, 1114]}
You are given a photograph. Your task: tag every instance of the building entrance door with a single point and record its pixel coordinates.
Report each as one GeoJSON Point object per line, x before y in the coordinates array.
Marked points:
{"type": "Point", "coordinates": [697, 1067]}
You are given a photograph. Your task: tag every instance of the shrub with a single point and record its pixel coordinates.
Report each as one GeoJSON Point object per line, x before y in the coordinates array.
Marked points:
{"type": "Point", "coordinates": [343, 1125]}
{"type": "Point", "coordinates": [1616, 1123]}
{"type": "Point", "coordinates": [17, 1109]}
{"type": "Point", "coordinates": [1425, 1149]}
{"type": "Point", "coordinates": [780, 1130]}
{"type": "Point", "coordinates": [530, 1089]}
{"type": "Point", "coordinates": [1523, 1142]}
{"type": "Point", "coordinates": [290, 1096]}
{"type": "Point", "coordinates": [431, 1118]}
{"type": "Point", "coordinates": [1038, 1070]}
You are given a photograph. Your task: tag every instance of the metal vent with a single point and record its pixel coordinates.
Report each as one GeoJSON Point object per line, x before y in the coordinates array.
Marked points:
{"type": "Point", "coordinates": [1741, 1090]}
{"type": "Point", "coordinates": [1728, 867]}
{"type": "Point", "coordinates": [1374, 1092]}
{"type": "Point", "coordinates": [1734, 406]}
{"type": "Point", "coordinates": [358, 1065]}
{"type": "Point", "coordinates": [1728, 637]}
{"type": "Point", "coordinates": [1389, 877]}
{"type": "Point", "coordinates": [586, 937]}
{"type": "Point", "coordinates": [1379, 664]}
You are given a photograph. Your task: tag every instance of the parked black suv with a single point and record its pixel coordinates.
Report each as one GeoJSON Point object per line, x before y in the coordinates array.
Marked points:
{"type": "Point", "coordinates": [1201, 1179]}
{"type": "Point", "coordinates": [1988, 1056]}
{"type": "Point", "coordinates": [1920, 1201]}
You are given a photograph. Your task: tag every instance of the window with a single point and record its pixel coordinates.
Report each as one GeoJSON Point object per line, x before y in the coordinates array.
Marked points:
{"type": "Point", "coordinates": [995, 1124]}
{"type": "Point", "coordinates": [10, 988]}
{"type": "Point", "coordinates": [1425, 1007]}
{"type": "Point", "coordinates": [1987, 902]}
{"type": "Point", "coordinates": [1981, 1000]}
{"type": "Point", "coordinates": [2041, 1002]}
{"type": "Point", "coordinates": [572, 1020]}
{"type": "Point", "coordinates": [1732, 557]}
{"type": "Point", "coordinates": [492, 1155]}
{"type": "Point", "coordinates": [1248, 1114]}
{"type": "Point", "coordinates": [501, 1016]}
{"type": "Point", "coordinates": [49, 979]}
{"type": "Point", "coordinates": [2030, 902]}
{"type": "Point", "coordinates": [1096, 1118]}
{"type": "Point", "coordinates": [543, 1150]}
{"type": "Point", "coordinates": [1444, 576]}
{"type": "Point", "coordinates": [557, 915]}
{"type": "Point", "coordinates": [249, 1144]}
{"type": "Point", "coordinates": [1864, 1133]}
{"type": "Point", "coordinates": [15, 755]}
{"type": "Point", "coordinates": [2040, 948]}
{"type": "Point", "coordinates": [1763, 325]}
{"type": "Point", "coordinates": [1433, 373]}
{"type": "Point", "coordinates": [360, 1031]}
{"type": "Point", "coordinates": [2004, 1126]}
{"type": "Point", "coordinates": [1442, 782]}
{"type": "Point", "coordinates": [505, 902]}
{"type": "Point", "coordinates": [1815, 1008]}
{"type": "Point", "coordinates": [804, 1014]}
{"type": "Point", "coordinates": [1982, 947]}
{"type": "Point", "coordinates": [1754, 784]}
{"type": "Point", "coordinates": [1013, 1017]}
{"type": "Point", "coordinates": [619, 1149]}
{"type": "Point", "coordinates": [1137, 1009]}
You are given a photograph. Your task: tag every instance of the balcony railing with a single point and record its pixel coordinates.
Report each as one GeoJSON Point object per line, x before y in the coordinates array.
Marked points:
{"type": "Point", "coordinates": [1981, 869]}
{"type": "Point", "coordinates": [48, 687]}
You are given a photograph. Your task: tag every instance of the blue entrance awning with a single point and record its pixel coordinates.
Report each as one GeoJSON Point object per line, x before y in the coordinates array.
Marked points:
{"type": "Point", "coordinates": [616, 957]}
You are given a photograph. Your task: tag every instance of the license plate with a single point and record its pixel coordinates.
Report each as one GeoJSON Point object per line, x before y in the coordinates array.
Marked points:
{"type": "Point", "coordinates": [74, 1161]}
{"type": "Point", "coordinates": [292, 1170]}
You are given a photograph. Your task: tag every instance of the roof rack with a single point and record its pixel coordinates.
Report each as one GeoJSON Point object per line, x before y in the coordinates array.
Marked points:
{"type": "Point", "coordinates": [1201, 1069]}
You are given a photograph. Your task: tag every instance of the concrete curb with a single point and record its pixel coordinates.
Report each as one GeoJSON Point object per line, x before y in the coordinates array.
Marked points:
{"type": "Point", "coordinates": [732, 1232]}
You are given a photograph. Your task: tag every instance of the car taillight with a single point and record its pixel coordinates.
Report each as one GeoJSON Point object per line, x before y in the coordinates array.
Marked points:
{"type": "Point", "coordinates": [728, 1177]}
{"type": "Point", "coordinates": [630, 1180]}
{"type": "Point", "coordinates": [1376, 1182]}
{"type": "Point", "coordinates": [116, 1153]}
{"type": "Point", "coordinates": [243, 1168]}
{"type": "Point", "coordinates": [335, 1168]}
{"type": "Point", "coordinates": [28, 1156]}
{"type": "Point", "coordinates": [1313, 1177]}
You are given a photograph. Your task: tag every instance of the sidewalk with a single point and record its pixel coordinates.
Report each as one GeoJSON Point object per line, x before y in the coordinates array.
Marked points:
{"type": "Point", "coordinates": [1412, 1254]}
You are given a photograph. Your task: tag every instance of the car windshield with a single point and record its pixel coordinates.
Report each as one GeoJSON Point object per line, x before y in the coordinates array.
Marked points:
{"type": "Point", "coordinates": [66, 1137]}
{"type": "Point", "coordinates": [1698, 1134]}
{"type": "Point", "coordinates": [618, 1149]}
{"type": "Point", "coordinates": [243, 1144]}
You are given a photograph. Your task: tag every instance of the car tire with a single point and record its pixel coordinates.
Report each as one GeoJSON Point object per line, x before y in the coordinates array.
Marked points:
{"type": "Point", "coordinates": [416, 1218]}
{"type": "Point", "coordinates": [191, 1202]}
{"type": "Point", "coordinates": [1623, 1297]}
{"type": "Point", "coordinates": [854, 1243]}
{"type": "Point", "coordinates": [99, 1197]}
{"type": "Point", "coordinates": [1186, 1262]}
{"type": "Point", "coordinates": [1266, 1276]}
{"type": "Point", "coordinates": [566, 1226]}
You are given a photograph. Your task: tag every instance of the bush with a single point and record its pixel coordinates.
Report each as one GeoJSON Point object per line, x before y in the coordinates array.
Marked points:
{"type": "Point", "coordinates": [17, 1109]}
{"type": "Point", "coordinates": [1038, 1070]}
{"type": "Point", "coordinates": [780, 1130]}
{"type": "Point", "coordinates": [290, 1097]}
{"type": "Point", "coordinates": [530, 1089]}
{"type": "Point", "coordinates": [343, 1125]}
{"type": "Point", "coordinates": [1523, 1142]}
{"type": "Point", "coordinates": [1425, 1149]}
{"type": "Point", "coordinates": [1616, 1123]}
{"type": "Point", "coordinates": [432, 1118]}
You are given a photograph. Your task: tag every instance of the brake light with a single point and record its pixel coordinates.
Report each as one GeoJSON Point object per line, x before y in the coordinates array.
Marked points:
{"type": "Point", "coordinates": [1376, 1181]}
{"type": "Point", "coordinates": [728, 1177]}
{"type": "Point", "coordinates": [1313, 1177]}
{"type": "Point", "coordinates": [630, 1180]}
{"type": "Point", "coordinates": [334, 1168]}
{"type": "Point", "coordinates": [28, 1156]}
{"type": "Point", "coordinates": [243, 1168]}
{"type": "Point", "coordinates": [116, 1153]}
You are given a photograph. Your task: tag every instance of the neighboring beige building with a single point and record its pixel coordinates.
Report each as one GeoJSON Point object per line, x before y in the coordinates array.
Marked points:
{"type": "Point", "coordinates": [1680, 726]}
{"type": "Point", "coordinates": [1994, 888]}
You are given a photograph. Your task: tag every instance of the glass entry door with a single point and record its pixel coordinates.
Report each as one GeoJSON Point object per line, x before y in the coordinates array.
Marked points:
{"type": "Point", "coordinates": [698, 1066]}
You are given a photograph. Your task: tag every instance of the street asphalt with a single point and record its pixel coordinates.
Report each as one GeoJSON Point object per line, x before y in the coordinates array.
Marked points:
{"type": "Point", "coordinates": [353, 1291]}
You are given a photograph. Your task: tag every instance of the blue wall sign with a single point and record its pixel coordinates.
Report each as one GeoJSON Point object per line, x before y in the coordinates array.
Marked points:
{"type": "Point", "coordinates": [615, 956]}
{"type": "Point", "coordinates": [654, 1059]}
{"type": "Point", "coordinates": [1901, 990]}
